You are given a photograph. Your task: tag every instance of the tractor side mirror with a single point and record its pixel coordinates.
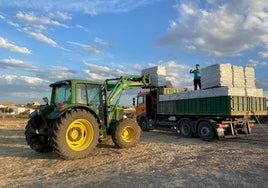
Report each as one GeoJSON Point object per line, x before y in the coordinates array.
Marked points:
{"type": "Point", "coordinates": [45, 99]}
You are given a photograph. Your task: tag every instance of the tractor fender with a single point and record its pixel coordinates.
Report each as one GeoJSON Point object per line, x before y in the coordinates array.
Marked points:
{"type": "Point", "coordinates": [34, 113]}
{"type": "Point", "coordinates": [57, 113]}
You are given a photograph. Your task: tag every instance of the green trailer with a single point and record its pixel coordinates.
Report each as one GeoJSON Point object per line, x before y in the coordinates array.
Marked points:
{"type": "Point", "coordinates": [215, 106]}
{"type": "Point", "coordinates": [205, 117]}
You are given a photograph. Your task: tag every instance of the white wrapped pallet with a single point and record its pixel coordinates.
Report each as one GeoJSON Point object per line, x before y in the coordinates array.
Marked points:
{"type": "Point", "coordinates": [229, 91]}
{"type": "Point", "coordinates": [207, 93]}
{"type": "Point", "coordinates": [193, 94]}
{"type": "Point", "coordinates": [249, 75]}
{"type": "Point", "coordinates": [213, 92]}
{"type": "Point", "coordinates": [184, 95]}
{"type": "Point", "coordinates": [158, 75]}
{"type": "Point", "coordinates": [178, 96]}
{"type": "Point", "coordinates": [238, 78]}
{"type": "Point", "coordinates": [254, 92]}
{"type": "Point", "coordinates": [216, 76]}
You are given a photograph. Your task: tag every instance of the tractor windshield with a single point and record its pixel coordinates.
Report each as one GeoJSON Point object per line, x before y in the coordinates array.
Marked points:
{"type": "Point", "coordinates": [62, 94]}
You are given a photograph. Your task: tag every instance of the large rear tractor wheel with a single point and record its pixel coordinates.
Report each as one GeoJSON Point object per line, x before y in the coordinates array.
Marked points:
{"type": "Point", "coordinates": [185, 128]}
{"type": "Point", "coordinates": [126, 134]}
{"type": "Point", "coordinates": [38, 142]}
{"type": "Point", "coordinates": [206, 131]}
{"type": "Point", "coordinates": [75, 134]}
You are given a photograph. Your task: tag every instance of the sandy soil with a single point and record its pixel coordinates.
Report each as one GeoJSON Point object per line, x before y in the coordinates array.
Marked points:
{"type": "Point", "coordinates": [161, 159]}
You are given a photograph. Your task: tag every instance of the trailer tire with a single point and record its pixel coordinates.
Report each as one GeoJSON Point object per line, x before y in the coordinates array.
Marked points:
{"type": "Point", "coordinates": [144, 124]}
{"type": "Point", "coordinates": [205, 131]}
{"type": "Point", "coordinates": [185, 128]}
{"type": "Point", "coordinates": [126, 134]}
{"type": "Point", "coordinates": [37, 142]}
{"type": "Point", "coordinates": [75, 134]}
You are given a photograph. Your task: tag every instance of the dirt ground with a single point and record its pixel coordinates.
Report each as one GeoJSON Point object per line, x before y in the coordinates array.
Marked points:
{"type": "Point", "coordinates": [161, 159]}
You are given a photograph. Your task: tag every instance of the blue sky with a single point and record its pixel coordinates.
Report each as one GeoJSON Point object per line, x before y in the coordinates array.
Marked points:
{"type": "Point", "coordinates": [45, 41]}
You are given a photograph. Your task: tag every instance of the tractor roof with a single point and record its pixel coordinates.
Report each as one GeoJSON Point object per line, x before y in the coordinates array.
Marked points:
{"type": "Point", "coordinates": [67, 82]}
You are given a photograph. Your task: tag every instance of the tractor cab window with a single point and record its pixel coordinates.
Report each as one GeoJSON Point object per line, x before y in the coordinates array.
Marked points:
{"type": "Point", "coordinates": [88, 94]}
{"type": "Point", "coordinates": [81, 94]}
{"type": "Point", "coordinates": [93, 94]}
{"type": "Point", "coordinates": [62, 94]}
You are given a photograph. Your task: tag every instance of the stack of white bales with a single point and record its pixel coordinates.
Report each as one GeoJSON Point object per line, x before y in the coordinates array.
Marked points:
{"type": "Point", "coordinates": [158, 75]}
{"type": "Point", "coordinates": [222, 80]}
{"type": "Point", "coordinates": [216, 76]}
{"type": "Point", "coordinates": [241, 80]}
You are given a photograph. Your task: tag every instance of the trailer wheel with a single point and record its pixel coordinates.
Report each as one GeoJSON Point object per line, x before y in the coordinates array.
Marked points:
{"type": "Point", "coordinates": [75, 134]}
{"type": "Point", "coordinates": [205, 131]}
{"type": "Point", "coordinates": [186, 128]}
{"type": "Point", "coordinates": [126, 134]}
{"type": "Point", "coordinates": [144, 123]}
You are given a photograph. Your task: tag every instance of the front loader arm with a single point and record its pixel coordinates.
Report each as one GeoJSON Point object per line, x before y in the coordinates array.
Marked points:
{"type": "Point", "coordinates": [115, 87]}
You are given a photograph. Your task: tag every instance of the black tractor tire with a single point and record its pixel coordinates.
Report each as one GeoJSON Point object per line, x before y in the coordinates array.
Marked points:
{"type": "Point", "coordinates": [126, 134]}
{"type": "Point", "coordinates": [185, 128]}
{"type": "Point", "coordinates": [75, 134]}
{"type": "Point", "coordinates": [38, 142]}
{"type": "Point", "coordinates": [206, 131]}
{"type": "Point", "coordinates": [144, 124]}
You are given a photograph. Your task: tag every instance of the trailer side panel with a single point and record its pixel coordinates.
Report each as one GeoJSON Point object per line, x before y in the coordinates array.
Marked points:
{"type": "Point", "coordinates": [214, 106]}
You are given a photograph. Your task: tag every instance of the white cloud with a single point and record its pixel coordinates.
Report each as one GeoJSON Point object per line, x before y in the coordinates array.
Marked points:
{"type": "Point", "coordinates": [101, 73]}
{"type": "Point", "coordinates": [60, 15]}
{"type": "Point", "coordinates": [221, 28]}
{"type": "Point", "coordinates": [102, 42]}
{"type": "Point", "coordinates": [21, 80]}
{"type": "Point", "coordinates": [23, 89]}
{"type": "Point", "coordinates": [254, 63]}
{"type": "Point", "coordinates": [263, 54]}
{"type": "Point", "coordinates": [178, 74]}
{"type": "Point", "coordinates": [14, 48]}
{"type": "Point", "coordinates": [88, 48]}
{"type": "Point", "coordinates": [9, 79]}
{"type": "Point", "coordinates": [17, 64]}
{"type": "Point", "coordinates": [36, 25]}
{"type": "Point", "coordinates": [9, 21]}
{"type": "Point", "coordinates": [32, 80]}
{"type": "Point", "coordinates": [55, 73]}
{"type": "Point", "coordinates": [41, 37]}
{"type": "Point", "coordinates": [92, 49]}
{"type": "Point", "coordinates": [84, 6]}
{"type": "Point", "coordinates": [31, 18]}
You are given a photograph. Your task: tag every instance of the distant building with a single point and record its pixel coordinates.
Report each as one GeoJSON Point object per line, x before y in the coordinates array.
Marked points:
{"type": "Point", "coordinates": [18, 109]}
{"type": "Point", "coordinates": [2, 106]}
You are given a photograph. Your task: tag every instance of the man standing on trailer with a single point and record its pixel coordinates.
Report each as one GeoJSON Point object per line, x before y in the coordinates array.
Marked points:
{"type": "Point", "coordinates": [197, 76]}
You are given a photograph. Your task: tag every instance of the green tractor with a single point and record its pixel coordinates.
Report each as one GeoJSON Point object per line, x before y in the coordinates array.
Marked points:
{"type": "Point", "coordinates": [81, 114]}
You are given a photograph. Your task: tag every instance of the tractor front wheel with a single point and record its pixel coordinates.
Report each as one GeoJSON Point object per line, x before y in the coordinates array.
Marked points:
{"type": "Point", "coordinates": [75, 134]}
{"type": "Point", "coordinates": [126, 134]}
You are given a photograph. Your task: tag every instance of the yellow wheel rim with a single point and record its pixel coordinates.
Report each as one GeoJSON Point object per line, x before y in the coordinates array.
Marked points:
{"type": "Point", "coordinates": [79, 134]}
{"type": "Point", "coordinates": [128, 134]}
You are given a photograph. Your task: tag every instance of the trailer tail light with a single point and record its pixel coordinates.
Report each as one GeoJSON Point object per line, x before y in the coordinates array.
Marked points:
{"type": "Point", "coordinates": [222, 126]}
{"type": "Point", "coordinates": [250, 124]}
